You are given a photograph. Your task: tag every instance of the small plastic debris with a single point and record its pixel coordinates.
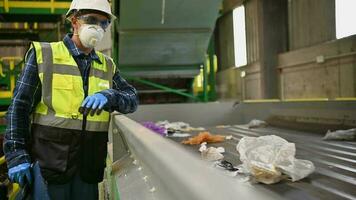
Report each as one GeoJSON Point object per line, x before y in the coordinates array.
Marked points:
{"type": "Point", "coordinates": [228, 137]}
{"type": "Point", "coordinates": [139, 169]}
{"type": "Point", "coordinates": [153, 189]}
{"type": "Point", "coordinates": [203, 147]}
{"type": "Point", "coordinates": [173, 127]}
{"type": "Point", "coordinates": [224, 164]}
{"type": "Point", "coordinates": [267, 157]}
{"type": "Point", "coordinates": [221, 149]}
{"type": "Point", "coordinates": [349, 134]}
{"type": "Point", "coordinates": [179, 135]}
{"type": "Point", "coordinates": [222, 126]}
{"type": "Point", "coordinates": [155, 128]}
{"type": "Point", "coordinates": [255, 123]}
{"type": "Point", "coordinates": [211, 154]}
{"type": "Point", "coordinates": [204, 137]}
{"type": "Point", "coordinates": [135, 162]}
{"type": "Point", "coordinates": [194, 129]}
{"type": "Point", "coordinates": [145, 178]}
{"type": "Point", "coordinates": [227, 168]}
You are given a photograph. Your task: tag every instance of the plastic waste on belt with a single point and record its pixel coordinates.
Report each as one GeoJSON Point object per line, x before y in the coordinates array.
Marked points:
{"type": "Point", "coordinates": [37, 190]}
{"type": "Point", "coordinates": [349, 134]}
{"type": "Point", "coordinates": [204, 137]}
{"type": "Point", "coordinates": [211, 153]}
{"type": "Point", "coordinates": [255, 123]}
{"type": "Point", "coordinates": [266, 158]}
{"type": "Point", "coordinates": [179, 135]}
{"type": "Point", "coordinates": [173, 127]}
{"type": "Point", "coordinates": [155, 128]}
{"type": "Point", "coordinates": [224, 164]}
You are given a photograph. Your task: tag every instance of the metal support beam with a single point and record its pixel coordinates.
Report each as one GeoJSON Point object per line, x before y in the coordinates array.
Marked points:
{"type": "Point", "coordinates": [212, 67]}
{"type": "Point", "coordinates": [51, 6]}
{"type": "Point", "coordinates": [162, 87]}
{"type": "Point", "coordinates": [205, 81]}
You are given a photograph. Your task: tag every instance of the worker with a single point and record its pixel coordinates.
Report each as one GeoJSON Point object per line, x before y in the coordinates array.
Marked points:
{"type": "Point", "coordinates": [60, 111]}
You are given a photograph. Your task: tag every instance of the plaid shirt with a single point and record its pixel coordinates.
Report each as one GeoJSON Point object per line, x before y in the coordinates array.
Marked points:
{"type": "Point", "coordinates": [27, 94]}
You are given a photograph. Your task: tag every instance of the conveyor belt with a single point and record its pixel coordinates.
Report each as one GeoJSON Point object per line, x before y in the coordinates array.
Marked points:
{"type": "Point", "coordinates": [335, 161]}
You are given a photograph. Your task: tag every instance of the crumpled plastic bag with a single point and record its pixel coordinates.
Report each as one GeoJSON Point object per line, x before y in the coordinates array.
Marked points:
{"type": "Point", "coordinates": [211, 153]}
{"type": "Point", "coordinates": [255, 123]}
{"type": "Point", "coordinates": [266, 158]}
{"type": "Point", "coordinates": [349, 134]}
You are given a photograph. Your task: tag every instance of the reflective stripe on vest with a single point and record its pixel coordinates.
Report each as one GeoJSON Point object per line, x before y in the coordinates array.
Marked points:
{"type": "Point", "coordinates": [62, 88]}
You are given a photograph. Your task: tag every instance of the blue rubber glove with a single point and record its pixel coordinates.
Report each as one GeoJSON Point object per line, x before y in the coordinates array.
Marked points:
{"type": "Point", "coordinates": [93, 104]}
{"type": "Point", "coordinates": [21, 174]}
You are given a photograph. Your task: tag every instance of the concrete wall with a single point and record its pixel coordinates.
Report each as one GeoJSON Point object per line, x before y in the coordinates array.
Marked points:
{"type": "Point", "coordinates": [334, 76]}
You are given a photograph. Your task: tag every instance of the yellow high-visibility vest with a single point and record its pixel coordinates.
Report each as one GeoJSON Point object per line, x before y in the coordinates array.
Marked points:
{"type": "Point", "coordinates": [62, 88]}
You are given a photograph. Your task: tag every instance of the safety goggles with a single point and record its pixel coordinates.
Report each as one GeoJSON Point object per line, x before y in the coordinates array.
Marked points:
{"type": "Point", "coordinates": [89, 19]}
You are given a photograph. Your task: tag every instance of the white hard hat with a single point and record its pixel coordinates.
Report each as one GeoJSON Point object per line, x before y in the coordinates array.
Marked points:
{"type": "Point", "coordinates": [99, 5]}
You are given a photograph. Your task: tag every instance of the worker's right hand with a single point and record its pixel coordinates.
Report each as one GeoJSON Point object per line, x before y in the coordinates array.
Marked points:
{"type": "Point", "coordinates": [21, 174]}
{"type": "Point", "coordinates": [93, 104]}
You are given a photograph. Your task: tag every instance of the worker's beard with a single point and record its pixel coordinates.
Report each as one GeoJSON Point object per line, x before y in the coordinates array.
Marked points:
{"type": "Point", "coordinates": [90, 35]}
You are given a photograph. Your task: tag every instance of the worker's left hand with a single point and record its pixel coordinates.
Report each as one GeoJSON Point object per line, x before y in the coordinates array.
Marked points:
{"type": "Point", "coordinates": [93, 104]}
{"type": "Point", "coordinates": [21, 174]}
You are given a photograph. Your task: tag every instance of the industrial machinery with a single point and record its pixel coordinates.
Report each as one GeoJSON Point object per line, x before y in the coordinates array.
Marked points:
{"type": "Point", "coordinates": [161, 46]}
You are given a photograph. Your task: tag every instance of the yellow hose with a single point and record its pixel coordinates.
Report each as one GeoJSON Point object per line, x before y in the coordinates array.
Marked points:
{"type": "Point", "coordinates": [15, 190]}
{"type": "Point", "coordinates": [1, 71]}
{"type": "Point", "coordinates": [2, 160]}
{"type": "Point", "coordinates": [15, 187]}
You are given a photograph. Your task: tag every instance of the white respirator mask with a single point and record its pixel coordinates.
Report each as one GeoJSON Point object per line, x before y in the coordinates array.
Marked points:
{"type": "Point", "coordinates": [90, 35]}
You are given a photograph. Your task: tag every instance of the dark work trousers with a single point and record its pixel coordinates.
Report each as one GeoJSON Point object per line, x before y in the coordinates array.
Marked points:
{"type": "Point", "coordinates": [75, 189]}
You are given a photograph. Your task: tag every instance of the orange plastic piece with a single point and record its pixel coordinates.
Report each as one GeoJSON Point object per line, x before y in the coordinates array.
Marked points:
{"type": "Point", "coordinates": [204, 137]}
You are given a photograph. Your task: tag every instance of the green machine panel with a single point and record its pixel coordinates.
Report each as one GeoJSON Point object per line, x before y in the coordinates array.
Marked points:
{"type": "Point", "coordinates": [169, 35]}
{"type": "Point", "coordinates": [168, 14]}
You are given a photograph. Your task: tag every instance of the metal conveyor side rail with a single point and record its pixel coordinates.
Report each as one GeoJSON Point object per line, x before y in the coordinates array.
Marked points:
{"type": "Point", "coordinates": [174, 172]}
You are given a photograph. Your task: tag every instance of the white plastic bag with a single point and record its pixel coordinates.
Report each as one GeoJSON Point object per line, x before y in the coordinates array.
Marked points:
{"type": "Point", "coordinates": [341, 135]}
{"type": "Point", "coordinates": [267, 157]}
{"type": "Point", "coordinates": [255, 123]}
{"type": "Point", "coordinates": [211, 153]}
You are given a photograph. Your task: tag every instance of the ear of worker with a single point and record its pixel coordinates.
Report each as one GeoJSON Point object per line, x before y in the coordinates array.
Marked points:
{"type": "Point", "coordinates": [93, 104]}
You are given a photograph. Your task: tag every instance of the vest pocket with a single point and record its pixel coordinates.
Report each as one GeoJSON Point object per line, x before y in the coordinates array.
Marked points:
{"type": "Point", "coordinates": [62, 94]}
{"type": "Point", "coordinates": [51, 151]}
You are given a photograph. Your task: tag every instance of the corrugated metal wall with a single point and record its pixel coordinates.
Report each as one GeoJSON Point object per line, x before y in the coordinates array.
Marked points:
{"type": "Point", "coordinates": [229, 87]}
{"type": "Point", "coordinates": [226, 41]}
{"type": "Point", "coordinates": [311, 25]}
{"type": "Point", "coordinates": [252, 31]}
{"type": "Point", "coordinates": [311, 22]}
